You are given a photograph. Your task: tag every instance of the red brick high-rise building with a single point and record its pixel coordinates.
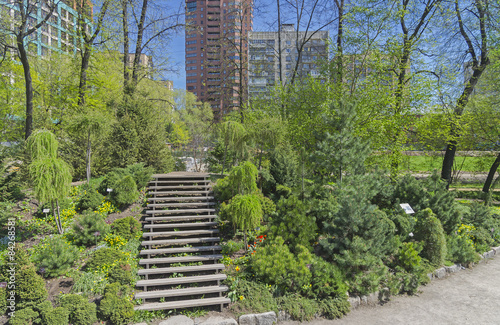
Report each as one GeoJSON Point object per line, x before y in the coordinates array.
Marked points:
{"type": "Point", "coordinates": [217, 52]}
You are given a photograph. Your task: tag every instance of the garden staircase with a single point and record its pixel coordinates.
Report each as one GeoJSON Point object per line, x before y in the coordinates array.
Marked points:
{"type": "Point", "coordinates": [181, 251]}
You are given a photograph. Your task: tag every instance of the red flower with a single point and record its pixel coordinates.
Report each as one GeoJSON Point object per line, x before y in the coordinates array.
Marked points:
{"type": "Point", "coordinates": [261, 236]}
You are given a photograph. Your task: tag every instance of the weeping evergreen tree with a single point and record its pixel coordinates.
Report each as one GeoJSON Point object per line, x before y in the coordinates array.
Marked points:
{"type": "Point", "coordinates": [50, 175]}
{"type": "Point", "coordinates": [233, 136]}
{"type": "Point", "coordinates": [245, 212]}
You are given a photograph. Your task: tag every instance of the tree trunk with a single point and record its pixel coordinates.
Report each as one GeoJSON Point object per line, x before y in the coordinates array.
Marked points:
{"type": "Point", "coordinates": [126, 75]}
{"type": "Point", "coordinates": [82, 88]}
{"type": "Point", "coordinates": [59, 217]}
{"type": "Point", "coordinates": [224, 160]}
{"type": "Point", "coordinates": [491, 174]}
{"type": "Point", "coordinates": [23, 56]}
{"type": "Point", "coordinates": [138, 45]}
{"type": "Point", "coordinates": [89, 146]}
{"type": "Point", "coordinates": [59, 227]}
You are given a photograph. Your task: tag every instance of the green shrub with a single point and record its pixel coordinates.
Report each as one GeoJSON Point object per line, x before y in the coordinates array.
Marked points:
{"type": "Point", "coordinates": [409, 271]}
{"type": "Point", "coordinates": [104, 256]}
{"type": "Point", "coordinates": [114, 307]}
{"type": "Point", "coordinates": [429, 230]}
{"type": "Point", "coordinates": [26, 316]}
{"type": "Point", "coordinates": [327, 280]}
{"type": "Point", "coordinates": [30, 288]}
{"type": "Point", "coordinates": [10, 185]}
{"type": "Point", "coordinates": [3, 301]}
{"type": "Point", "coordinates": [241, 180]}
{"type": "Point", "coordinates": [332, 308]}
{"type": "Point", "coordinates": [408, 257]}
{"type": "Point", "coordinates": [275, 264]}
{"type": "Point", "coordinates": [253, 296]}
{"type": "Point", "coordinates": [53, 316]}
{"type": "Point", "coordinates": [81, 311]}
{"type": "Point", "coordinates": [482, 239]}
{"type": "Point", "coordinates": [142, 175]}
{"type": "Point", "coordinates": [6, 212]}
{"type": "Point", "coordinates": [126, 228]}
{"type": "Point", "coordinates": [56, 256]}
{"type": "Point", "coordinates": [292, 222]}
{"type": "Point", "coordinates": [89, 283]}
{"type": "Point", "coordinates": [90, 200]}
{"type": "Point", "coordinates": [299, 308]}
{"type": "Point", "coordinates": [86, 226]}
{"type": "Point", "coordinates": [230, 247]}
{"type": "Point", "coordinates": [284, 165]}
{"type": "Point", "coordinates": [125, 191]}
{"type": "Point", "coordinates": [460, 250]}
{"type": "Point", "coordinates": [122, 274]}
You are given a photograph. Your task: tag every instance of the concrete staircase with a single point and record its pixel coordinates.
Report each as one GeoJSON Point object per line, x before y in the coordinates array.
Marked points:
{"type": "Point", "coordinates": [181, 250]}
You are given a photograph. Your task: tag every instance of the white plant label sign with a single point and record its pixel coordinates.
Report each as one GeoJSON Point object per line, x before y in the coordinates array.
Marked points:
{"type": "Point", "coordinates": [407, 208]}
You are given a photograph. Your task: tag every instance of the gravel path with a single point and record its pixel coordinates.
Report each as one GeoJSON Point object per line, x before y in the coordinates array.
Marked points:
{"type": "Point", "coordinates": [470, 296]}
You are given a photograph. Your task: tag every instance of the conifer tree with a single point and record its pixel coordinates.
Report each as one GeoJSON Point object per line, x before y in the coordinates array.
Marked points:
{"type": "Point", "coordinates": [50, 175]}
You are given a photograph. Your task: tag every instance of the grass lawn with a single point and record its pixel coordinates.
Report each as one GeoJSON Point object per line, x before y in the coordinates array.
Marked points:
{"type": "Point", "coordinates": [465, 164]}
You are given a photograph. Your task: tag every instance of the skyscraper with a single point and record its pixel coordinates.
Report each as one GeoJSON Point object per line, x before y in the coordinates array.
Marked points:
{"type": "Point", "coordinates": [216, 52]}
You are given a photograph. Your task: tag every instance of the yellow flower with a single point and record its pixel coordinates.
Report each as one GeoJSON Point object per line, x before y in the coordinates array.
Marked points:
{"type": "Point", "coordinates": [237, 268]}
{"type": "Point", "coordinates": [242, 298]}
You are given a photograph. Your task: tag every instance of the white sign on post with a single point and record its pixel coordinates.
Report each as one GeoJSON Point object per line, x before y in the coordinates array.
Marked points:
{"type": "Point", "coordinates": [46, 210]}
{"type": "Point", "coordinates": [109, 190]}
{"type": "Point", "coordinates": [407, 208]}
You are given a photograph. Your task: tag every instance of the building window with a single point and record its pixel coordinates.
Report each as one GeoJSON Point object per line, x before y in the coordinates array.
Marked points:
{"type": "Point", "coordinates": [190, 55]}
{"type": "Point", "coordinates": [190, 61]}
{"type": "Point", "coordinates": [190, 42]}
{"type": "Point", "coordinates": [191, 81]}
{"type": "Point", "coordinates": [192, 74]}
{"type": "Point", "coordinates": [191, 49]}
{"type": "Point", "coordinates": [191, 6]}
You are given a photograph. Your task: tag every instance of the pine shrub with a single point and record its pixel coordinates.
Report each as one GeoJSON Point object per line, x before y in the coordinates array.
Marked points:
{"type": "Point", "coordinates": [53, 316]}
{"type": "Point", "coordinates": [89, 228]}
{"type": "Point", "coordinates": [332, 308]}
{"type": "Point", "coordinates": [103, 257]}
{"type": "Point", "coordinates": [140, 173]}
{"type": "Point", "coordinates": [284, 165]}
{"type": "Point", "coordinates": [25, 316]}
{"type": "Point", "coordinates": [114, 307]}
{"type": "Point", "coordinates": [81, 311]}
{"type": "Point", "coordinates": [30, 288]}
{"type": "Point", "coordinates": [327, 280]}
{"type": "Point", "coordinates": [292, 222]}
{"type": "Point", "coordinates": [121, 273]}
{"type": "Point", "coordinates": [126, 228]}
{"type": "Point", "coordinates": [275, 264]}
{"type": "Point", "coordinates": [56, 256]}
{"type": "Point", "coordinates": [90, 200]}
{"type": "Point", "coordinates": [430, 231]}
{"type": "Point", "coordinates": [3, 301]}
{"type": "Point", "coordinates": [241, 180]}
{"type": "Point", "coordinates": [460, 250]}
{"type": "Point", "coordinates": [125, 191]}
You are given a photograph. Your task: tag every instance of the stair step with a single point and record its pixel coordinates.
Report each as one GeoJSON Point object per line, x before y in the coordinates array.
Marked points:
{"type": "Point", "coordinates": [180, 241]}
{"type": "Point", "coordinates": [180, 250]}
{"type": "Point", "coordinates": [183, 269]}
{"type": "Point", "coordinates": [181, 233]}
{"type": "Point", "coordinates": [191, 181]}
{"type": "Point", "coordinates": [179, 211]}
{"type": "Point", "coordinates": [179, 205]}
{"type": "Point", "coordinates": [181, 175]}
{"type": "Point", "coordinates": [179, 192]}
{"type": "Point", "coordinates": [180, 225]}
{"type": "Point", "coordinates": [180, 292]}
{"type": "Point", "coordinates": [181, 259]}
{"type": "Point", "coordinates": [179, 218]}
{"type": "Point", "coordinates": [172, 187]}
{"type": "Point", "coordinates": [183, 304]}
{"type": "Point", "coordinates": [181, 198]}
{"type": "Point", "coordinates": [181, 280]}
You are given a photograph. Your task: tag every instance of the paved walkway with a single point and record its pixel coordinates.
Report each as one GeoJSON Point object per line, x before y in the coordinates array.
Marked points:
{"type": "Point", "coordinates": [471, 296]}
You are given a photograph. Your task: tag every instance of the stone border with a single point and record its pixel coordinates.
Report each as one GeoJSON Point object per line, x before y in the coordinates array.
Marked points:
{"type": "Point", "coordinates": [440, 273]}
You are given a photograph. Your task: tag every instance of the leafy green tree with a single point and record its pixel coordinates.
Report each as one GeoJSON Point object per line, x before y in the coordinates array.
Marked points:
{"type": "Point", "coordinates": [50, 175]}
{"type": "Point", "coordinates": [241, 180]}
{"type": "Point", "coordinates": [430, 231]}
